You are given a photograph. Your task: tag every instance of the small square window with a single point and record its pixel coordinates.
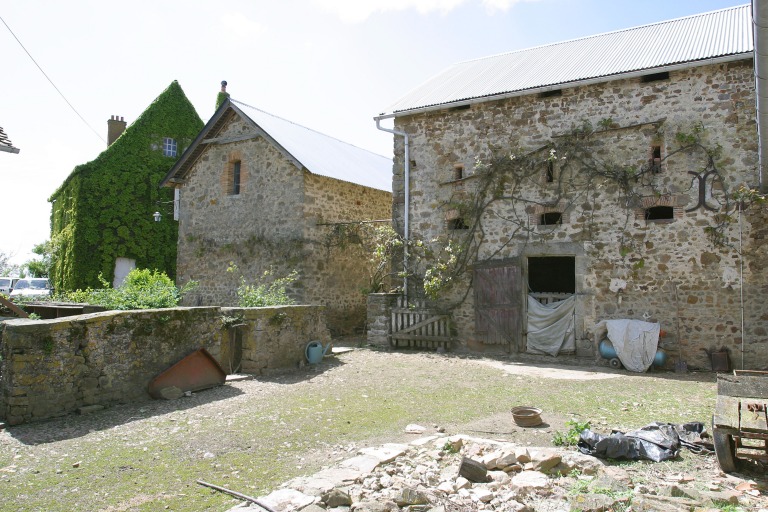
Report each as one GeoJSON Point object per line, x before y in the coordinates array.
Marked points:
{"type": "Point", "coordinates": [654, 162]}
{"type": "Point", "coordinates": [170, 147]}
{"type": "Point", "coordinates": [655, 77]}
{"type": "Point", "coordinates": [551, 219]}
{"type": "Point", "coordinates": [458, 172]}
{"type": "Point", "coordinates": [659, 213]}
{"type": "Point", "coordinates": [457, 223]}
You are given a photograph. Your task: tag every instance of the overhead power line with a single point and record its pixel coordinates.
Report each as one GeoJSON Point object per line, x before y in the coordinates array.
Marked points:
{"type": "Point", "coordinates": [51, 81]}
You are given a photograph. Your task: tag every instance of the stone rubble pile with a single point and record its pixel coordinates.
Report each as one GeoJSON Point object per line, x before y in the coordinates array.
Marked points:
{"type": "Point", "coordinates": [430, 475]}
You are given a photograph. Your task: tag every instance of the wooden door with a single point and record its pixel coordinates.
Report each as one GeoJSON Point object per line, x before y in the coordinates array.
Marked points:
{"type": "Point", "coordinates": [498, 309]}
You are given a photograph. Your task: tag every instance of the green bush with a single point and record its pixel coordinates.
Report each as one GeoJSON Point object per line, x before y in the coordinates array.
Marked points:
{"type": "Point", "coordinates": [571, 437]}
{"type": "Point", "coordinates": [267, 292]}
{"type": "Point", "coordinates": [142, 289]}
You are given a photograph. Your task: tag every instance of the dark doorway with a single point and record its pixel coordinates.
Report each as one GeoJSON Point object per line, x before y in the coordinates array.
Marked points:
{"type": "Point", "coordinates": [552, 274]}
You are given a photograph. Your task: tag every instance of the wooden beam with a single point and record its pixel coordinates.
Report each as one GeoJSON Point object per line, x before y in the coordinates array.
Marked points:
{"type": "Point", "coordinates": [13, 307]}
{"type": "Point", "coordinates": [744, 384]}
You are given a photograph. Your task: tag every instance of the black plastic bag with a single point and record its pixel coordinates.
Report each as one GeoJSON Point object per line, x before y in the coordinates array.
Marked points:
{"type": "Point", "coordinates": [656, 442]}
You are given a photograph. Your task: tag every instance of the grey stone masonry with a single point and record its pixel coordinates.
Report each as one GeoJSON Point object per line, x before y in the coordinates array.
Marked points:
{"type": "Point", "coordinates": [665, 271]}
{"type": "Point", "coordinates": [53, 367]}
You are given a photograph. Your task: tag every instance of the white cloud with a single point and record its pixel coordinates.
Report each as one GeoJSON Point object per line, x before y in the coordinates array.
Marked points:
{"type": "Point", "coordinates": [355, 11]}
{"type": "Point", "coordinates": [237, 28]}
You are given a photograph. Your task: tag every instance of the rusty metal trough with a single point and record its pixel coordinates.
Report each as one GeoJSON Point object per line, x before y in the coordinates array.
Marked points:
{"type": "Point", "coordinates": [199, 370]}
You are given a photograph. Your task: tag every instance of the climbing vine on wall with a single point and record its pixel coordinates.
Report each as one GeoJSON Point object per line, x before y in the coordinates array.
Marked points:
{"type": "Point", "coordinates": [103, 210]}
{"type": "Point", "coordinates": [575, 171]}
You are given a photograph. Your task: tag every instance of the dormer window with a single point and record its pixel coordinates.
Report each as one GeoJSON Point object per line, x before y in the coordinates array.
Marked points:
{"type": "Point", "coordinates": [170, 148]}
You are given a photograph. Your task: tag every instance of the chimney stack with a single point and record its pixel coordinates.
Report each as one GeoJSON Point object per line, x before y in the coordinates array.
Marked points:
{"type": "Point", "coordinates": [223, 95]}
{"type": "Point", "coordinates": [115, 127]}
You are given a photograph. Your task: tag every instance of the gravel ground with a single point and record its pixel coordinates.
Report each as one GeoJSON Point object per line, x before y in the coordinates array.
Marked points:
{"type": "Point", "coordinates": [252, 435]}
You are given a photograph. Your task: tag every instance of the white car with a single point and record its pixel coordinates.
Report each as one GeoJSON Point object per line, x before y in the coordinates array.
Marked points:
{"type": "Point", "coordinates": [32, 287]}
{"type": "Point", "coordinates": [7, 284]}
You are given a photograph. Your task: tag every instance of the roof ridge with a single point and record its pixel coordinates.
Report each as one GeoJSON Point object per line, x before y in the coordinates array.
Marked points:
{"type": "Point", "coordinates": [602, 34]}
{"type": "Point", "coordinates": [238, 102]}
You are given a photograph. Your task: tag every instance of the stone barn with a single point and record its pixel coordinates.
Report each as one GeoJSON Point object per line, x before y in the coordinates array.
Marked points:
{"type": "Point", "coordinates": [258, 193]}
{"type": "Point", "coordinates": [618, 172]}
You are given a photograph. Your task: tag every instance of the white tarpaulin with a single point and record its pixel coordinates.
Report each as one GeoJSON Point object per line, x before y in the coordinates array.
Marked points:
{"type": "Point", "coordinates": [635, 341]}
{"type": "Point", "coordinates": [550, 326]}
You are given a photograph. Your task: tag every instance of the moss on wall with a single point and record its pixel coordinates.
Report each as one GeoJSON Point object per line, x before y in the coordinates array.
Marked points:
{"type": "Point", "coordinates": [103, 210]}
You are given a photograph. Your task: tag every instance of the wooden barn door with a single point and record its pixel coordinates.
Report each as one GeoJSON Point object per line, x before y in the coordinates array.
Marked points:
{"type": "Point", "coordinates": [498, 309]}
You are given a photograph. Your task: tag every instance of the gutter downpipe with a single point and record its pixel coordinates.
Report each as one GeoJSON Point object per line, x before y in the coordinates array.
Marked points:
{"type": "Point", "coordinates": [407, 200]}
{"type": "Point", "coordinates": [760, 34]}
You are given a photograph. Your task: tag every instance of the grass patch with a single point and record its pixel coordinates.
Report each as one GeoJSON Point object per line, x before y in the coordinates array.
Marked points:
{"type": "Point", "coordinates": [281, 428]}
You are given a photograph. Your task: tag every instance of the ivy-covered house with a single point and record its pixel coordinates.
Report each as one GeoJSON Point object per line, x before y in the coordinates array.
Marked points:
{"type": "Point", "coordinates": [258, 193]}
{"type": "Point", "coordinates": [102, 215]}
{"type": "Point", "coordinates": [615, 172]}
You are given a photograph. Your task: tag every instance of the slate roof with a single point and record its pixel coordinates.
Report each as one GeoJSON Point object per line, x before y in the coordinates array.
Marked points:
{"type": "Point", "coordinates": [308, 149]}
{"type": "Point", "coordinates": [6, 144]}
{"type": "Point", "coordinates": [724, 34]}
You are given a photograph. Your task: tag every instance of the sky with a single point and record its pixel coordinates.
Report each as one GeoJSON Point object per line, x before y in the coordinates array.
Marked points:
{"type": "Point", "coordinates": [330, 65]}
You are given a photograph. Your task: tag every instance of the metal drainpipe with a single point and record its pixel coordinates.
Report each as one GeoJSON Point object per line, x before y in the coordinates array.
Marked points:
{"type": "Point", "coordinates": [407, 199]}
{"type": "Point", "coordinates": [760, 34]}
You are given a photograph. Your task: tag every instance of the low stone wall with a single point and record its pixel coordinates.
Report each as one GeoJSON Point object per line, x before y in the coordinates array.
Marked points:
{"type": "Point", "coordinates": [53, 367]}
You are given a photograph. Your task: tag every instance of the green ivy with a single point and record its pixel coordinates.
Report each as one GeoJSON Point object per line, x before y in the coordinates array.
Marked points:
{"type": "Point", "coordinates": [103, 210]}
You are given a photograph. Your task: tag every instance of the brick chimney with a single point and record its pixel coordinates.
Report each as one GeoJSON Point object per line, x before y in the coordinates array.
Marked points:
{"type": "Point", "coordinates": [115, 127]}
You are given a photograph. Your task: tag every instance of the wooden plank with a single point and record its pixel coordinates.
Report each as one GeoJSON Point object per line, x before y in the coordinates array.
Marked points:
{"type": "Point", "coordinates": [753, 385]}
{"type": "Point", "coordinates": [397, 336]}
{"type": "Point", "coordinates": [416, 326]}
{"type": "Point", "coordinates": [13, 307]}
{"type": "Point", "coordinates": [726, 412]}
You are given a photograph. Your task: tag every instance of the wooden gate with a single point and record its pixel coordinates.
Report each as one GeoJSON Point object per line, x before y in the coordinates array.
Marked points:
{"type": "Point", "coordinates": [415, 326]}
{"type": "Point", "coordinates": [498, 310]}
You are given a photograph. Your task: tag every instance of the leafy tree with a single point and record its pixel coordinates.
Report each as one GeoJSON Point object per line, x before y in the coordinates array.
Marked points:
{"type": "Point", "coordinates": [41, 267]}
{"type": "Point", "coordinates": [6, 267]}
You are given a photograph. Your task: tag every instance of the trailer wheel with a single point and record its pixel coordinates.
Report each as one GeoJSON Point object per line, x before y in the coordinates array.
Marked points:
{"type": "Point", "coordinates": [615, 363]}
{"type": "Point", "coordinates": [725, 448]}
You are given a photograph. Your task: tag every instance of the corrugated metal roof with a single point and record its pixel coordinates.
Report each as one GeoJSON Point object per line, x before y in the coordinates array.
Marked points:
{"type": "Point", "coordinates": [717, 34]}
{"type": "Point", "coordinates": [5, 143]}
{"type": "Point", "coordinates": [322, 154]}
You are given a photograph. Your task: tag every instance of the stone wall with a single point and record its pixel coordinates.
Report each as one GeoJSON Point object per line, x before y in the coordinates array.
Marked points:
{"type": "Point", "coordinates": [337, 271]}
{"type": "Point", "coordinates": [53, 367]}
{"type": "Point", "coordinates": [279, 221]}
{"type": "Point", "coordinates": [379, 321]}
{"type": "Point", "coordinates": [684, 281]}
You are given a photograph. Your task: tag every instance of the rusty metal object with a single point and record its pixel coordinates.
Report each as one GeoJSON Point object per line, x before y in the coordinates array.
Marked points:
{"type": "Point", "coordinates": [527, 416]}
{"type": "Point", "coordinates": [199, 370]}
